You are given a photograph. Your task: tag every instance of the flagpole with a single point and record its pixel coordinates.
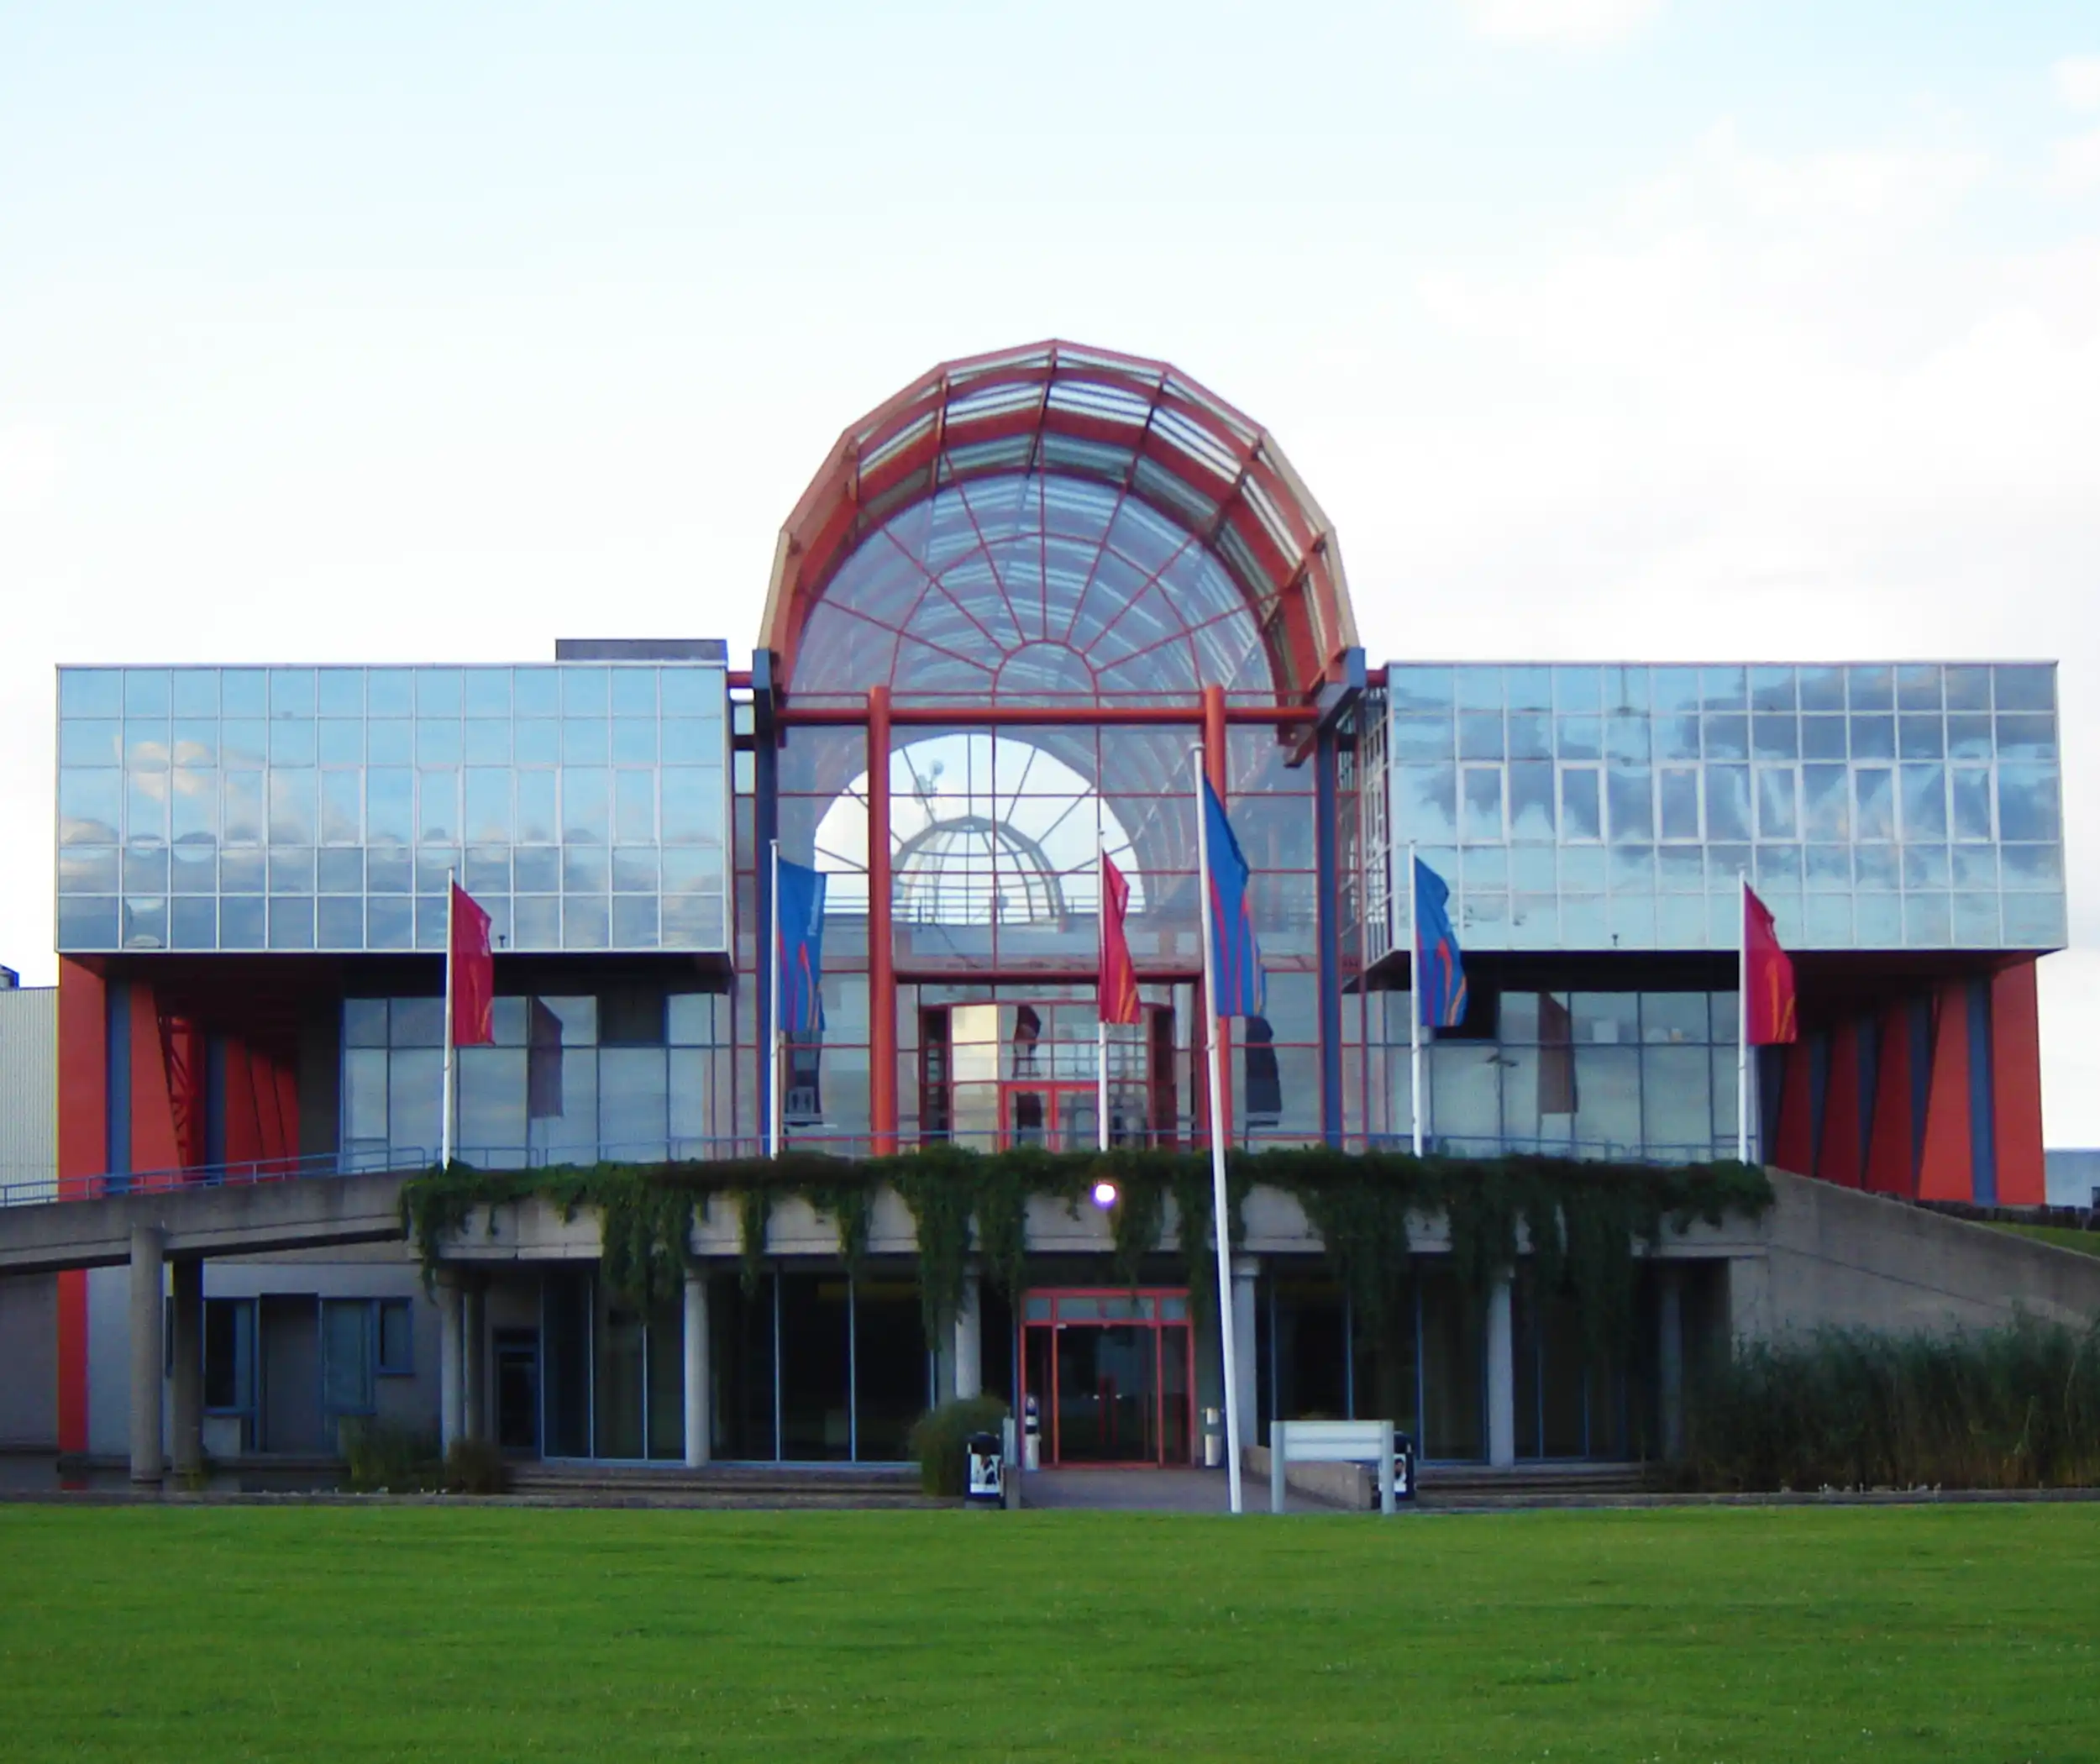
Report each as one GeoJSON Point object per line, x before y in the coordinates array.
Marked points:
{"type": "Point", "coordinates": [1100, 1001]}
{"type": "Point", "coordinates": [1742, 1016]}
{"type": "Point", "coordinates": [1220, 1209]}
{"type": "Point", "coordinates": [444, 1127]}
{"type": "Point", "coordinates": [776, 1113]}
{"type": "Point", "coordinates": [1415, 1026]}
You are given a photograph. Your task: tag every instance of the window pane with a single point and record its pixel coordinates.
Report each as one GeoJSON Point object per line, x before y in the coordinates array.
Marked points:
{"type": "Point", "coordinates": [346, 1361]}
{"type": "Point", "coordinates": [1971, 802]}
{"type": "Point", "coordinates": [2028, 801]}
{"type": "Point", "coordinates": [1777, 818]}
{"type": "Point", "coordinates": [395, 1352]}
{"type": "Point", "coordinates": [1632, 805]}
{"type": "Point", "coordinates": [1924, 802]}
{"type": "Point", "coordinates": [1579, 806]}
{"type": "Point", "coordinates": [1874, 798]}
{"type": "Point", "coordinates": [1484, 803]}
{"type": "Point", "coordinates": [1531, 801]}
{"type": "Point", "coordinates": [1728, 802]}
{"type": "Point", "coordinates": [1679, 790]}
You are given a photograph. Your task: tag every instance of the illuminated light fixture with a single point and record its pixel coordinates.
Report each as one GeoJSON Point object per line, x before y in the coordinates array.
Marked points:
{"type": "Point", "coordinates": [1105, 1195]}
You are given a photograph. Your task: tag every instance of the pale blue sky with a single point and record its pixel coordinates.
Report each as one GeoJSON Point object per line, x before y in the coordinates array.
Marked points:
{"type": "Point", "coordinates": [1643, 327]}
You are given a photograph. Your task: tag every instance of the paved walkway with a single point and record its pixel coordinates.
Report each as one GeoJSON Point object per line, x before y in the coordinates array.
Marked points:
{"type": "Point", "coordinates": [1153, 1491]}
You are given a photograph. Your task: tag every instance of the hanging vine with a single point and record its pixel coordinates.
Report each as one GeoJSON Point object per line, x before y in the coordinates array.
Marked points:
{"type": "Point", "coordinates": [1579, 1223]}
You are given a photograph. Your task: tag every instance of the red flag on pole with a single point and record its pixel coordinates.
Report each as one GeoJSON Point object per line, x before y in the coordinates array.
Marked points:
{"type": "Point", "coordinates": [1119, 979]}
{"type": "Point", "coordinates": [1768, 1008]}
{"type": "Point", "coordinates": [473, 973]}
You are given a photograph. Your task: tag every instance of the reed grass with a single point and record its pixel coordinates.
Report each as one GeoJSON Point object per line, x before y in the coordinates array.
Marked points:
{"type": "Point", "coordinates": [2015, 1407]}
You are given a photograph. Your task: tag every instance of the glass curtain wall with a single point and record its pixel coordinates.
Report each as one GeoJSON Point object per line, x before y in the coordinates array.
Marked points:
{"type": "Point", "coordinates": [627, 1075]}
{"type": "Point", "coordinates": [1597, 808]}
{"type": "Point", "coordinates": [812, 1365]}
{"type": "Point", "coordinates": [1581, 1073]}
{"type": "Point", "coordinates": [614, 1386]}
{"type": "Point", "coordinates": [1423, 1365]}
{"type": "Point", "coordinates": [322, 808]}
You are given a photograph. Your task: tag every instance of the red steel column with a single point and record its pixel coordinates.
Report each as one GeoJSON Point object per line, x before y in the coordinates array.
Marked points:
{"type": "Point", "coordinates": [1217, 770]}
{"type": "Point", "coordinates": [882, 972]}
{"type": "Point", "coordinates": [2016, 1086]}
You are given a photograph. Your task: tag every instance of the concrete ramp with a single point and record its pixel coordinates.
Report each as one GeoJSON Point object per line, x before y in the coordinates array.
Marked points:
{"type": "Point", "coordinates": [251, 1218]}
{"type": "Point", "coordinates": [1838, 1257]}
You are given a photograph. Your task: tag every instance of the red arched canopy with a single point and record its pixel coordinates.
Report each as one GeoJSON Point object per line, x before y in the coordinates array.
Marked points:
{"type": "Point", "coordinates": [1154, 465]}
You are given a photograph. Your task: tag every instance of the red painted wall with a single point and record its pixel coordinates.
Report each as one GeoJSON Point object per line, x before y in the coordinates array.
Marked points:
{"type": "Point", "coordinates": [1891, 1155]}
{"type": "Point", "coordinates": [2016, 1086]}
{"type": "Point", "coordinates": [1838, 1157]}
{"type": "Point", "coordinates": [83, 1127]}
{"type": "Point", "coordinates": [153, 1143]}
{"type": "Point", "coordinates": [1793, 1148]}
{"type": "Point", "coordinates": [1945, 1168]}
{"type": "Point", "coordinates": [244, 1122]}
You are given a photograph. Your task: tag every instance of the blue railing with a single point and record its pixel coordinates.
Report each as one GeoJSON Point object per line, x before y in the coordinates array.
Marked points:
{"type": "Point", "coordinates": [116, 1184]}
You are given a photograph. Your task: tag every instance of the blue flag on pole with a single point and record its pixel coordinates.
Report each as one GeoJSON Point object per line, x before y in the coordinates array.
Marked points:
{"type": "Point", "coordinates": [1439, 972]}
{"type": "Point", "coordinates": [1235, 957]}
{"type": "Point", "coordinates": [798, 942]}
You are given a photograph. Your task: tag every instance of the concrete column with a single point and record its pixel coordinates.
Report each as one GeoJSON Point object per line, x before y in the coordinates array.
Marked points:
{"type": "Point", "coordinates": [1670, 1359]}
{"type": "Point", "coordinates": [699, 1415]}
{"type": "Point", "coordinates": [970, 1338]}
{"type": "Point", "coordinates": [451, 1386]}
{"type": "Point", "coordinates": [186, 1394]}
{"type": "Point", "coordinates": [148, 1248]}
{"type": "Point", "coordinates": [1502, 1376]}
{"type": "Point", "coordinates": [474, 1367]}
{"type": "Point", "coordinates": [1246, 1269]}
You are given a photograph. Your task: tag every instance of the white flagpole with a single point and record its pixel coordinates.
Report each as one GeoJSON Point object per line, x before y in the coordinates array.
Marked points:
{"type": "Point", "coordinates": [1100, 1017]}
{"type": "Point", "coordinates": [1415, 1026]}
{"type": "Point", "coordinates": [444, 1128]}
{"type": "Point", "coordinates": [1220, 1212]}
{"type": "Point", "coordinates": [776, 1112]}
{"type": "Point", "coordinates": [1742, 1016]}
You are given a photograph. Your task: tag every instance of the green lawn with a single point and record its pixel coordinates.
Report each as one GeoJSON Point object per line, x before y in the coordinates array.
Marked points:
{"type": "Point", "coordinates": [2087, 1243]}
{"type": "Point", "coordinates": [332, 1633]}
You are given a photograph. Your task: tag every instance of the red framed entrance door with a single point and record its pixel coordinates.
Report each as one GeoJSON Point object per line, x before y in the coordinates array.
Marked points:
{"type": "Point", "coordinates": [1113, 1374]}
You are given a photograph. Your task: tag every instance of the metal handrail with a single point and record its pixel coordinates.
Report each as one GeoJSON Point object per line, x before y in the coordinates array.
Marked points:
{"type": "Point", "coordinates": [116, 1183]}
{"type": "Point", "coordinates": [373, 1160]}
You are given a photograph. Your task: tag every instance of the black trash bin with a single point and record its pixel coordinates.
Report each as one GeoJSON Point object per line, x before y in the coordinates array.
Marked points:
{"type": "Point", "coordinates": [1403, 1466]}
{"type": "Point", "coordinates": [985, 1479]}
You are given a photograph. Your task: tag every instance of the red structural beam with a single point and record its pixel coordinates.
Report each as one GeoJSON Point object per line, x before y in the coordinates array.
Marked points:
{"type": "Point", "coordinates": [882, 979]}
{"type": "Point", "coordinates": [1193, 714]}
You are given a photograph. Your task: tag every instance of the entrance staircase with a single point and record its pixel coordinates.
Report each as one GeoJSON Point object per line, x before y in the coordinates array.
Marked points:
{"type": "Point", "coordinates": [1460, 1487]}
{"type": "Point", "coordinates": [811, 1487]}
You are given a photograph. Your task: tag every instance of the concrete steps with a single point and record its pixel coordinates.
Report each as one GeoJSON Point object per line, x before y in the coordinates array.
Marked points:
{"type": "Point", "coordinates": [855, 1486]}
{"type": "Point", "coordinates": [1527, 1485]}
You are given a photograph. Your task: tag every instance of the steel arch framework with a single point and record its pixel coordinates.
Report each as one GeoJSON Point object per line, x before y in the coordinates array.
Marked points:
{"type": "Point", "coordinates": [1058, 410]}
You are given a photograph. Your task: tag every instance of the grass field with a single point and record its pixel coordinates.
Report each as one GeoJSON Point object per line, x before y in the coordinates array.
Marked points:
{"type": "Point", "coordinates": [2087, 1243]}
{"type": "Point", "coordinates": [326, 1633]}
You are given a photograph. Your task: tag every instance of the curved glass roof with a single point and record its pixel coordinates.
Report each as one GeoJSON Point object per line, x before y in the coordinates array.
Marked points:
{"type": "Point", "coordinates": [1058, 523]}
{"type": "Point", "coordinates": [1032, 589]}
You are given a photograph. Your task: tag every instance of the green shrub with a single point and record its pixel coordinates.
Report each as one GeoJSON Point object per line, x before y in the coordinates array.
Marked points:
{"type": "Point", "coordinates": [2016, 1407]}
{"type": "Point", "coordinates": [475, 1466]}
{"type": "Point", "coordinates": [385, 1458]}
{"type": "Point", "coordinates": [940, 1437]}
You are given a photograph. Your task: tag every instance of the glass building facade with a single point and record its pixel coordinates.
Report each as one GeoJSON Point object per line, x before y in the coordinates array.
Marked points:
{"type": "Point", "coordinates": [1023, 608]}
{"type": "Point", "coordinates": [585, 806]}
{"type": "Point", "coordinates": [1874, 806]}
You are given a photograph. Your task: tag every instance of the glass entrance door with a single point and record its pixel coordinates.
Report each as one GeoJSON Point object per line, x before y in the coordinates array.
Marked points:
{"type": "Point", "coordinates": [1112, 1375]}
